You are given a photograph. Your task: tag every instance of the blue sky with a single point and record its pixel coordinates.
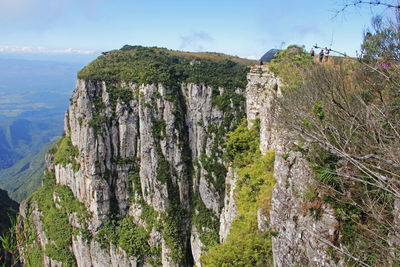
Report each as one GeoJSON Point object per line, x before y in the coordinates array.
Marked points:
{"type": "Point", "coordinates": [244, 28]}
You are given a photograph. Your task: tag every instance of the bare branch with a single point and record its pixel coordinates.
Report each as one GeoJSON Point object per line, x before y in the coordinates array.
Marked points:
{"type": "Point", "coordinates": [369, 3]}
{"type": "Point", "coordinates": [341, 250]}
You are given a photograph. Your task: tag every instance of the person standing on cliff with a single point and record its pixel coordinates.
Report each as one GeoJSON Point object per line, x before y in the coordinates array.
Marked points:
{"type": "Point", "coordinates": [321, 55]}
{"type": "Point", "coordinates": [326, 54]}
{"type": "Point", "coordinates": [312, 53]}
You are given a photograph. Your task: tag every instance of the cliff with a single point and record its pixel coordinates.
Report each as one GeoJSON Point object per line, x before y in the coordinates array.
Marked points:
{"type": "Point", "coordinates": [141, 157]}
{"type": "Point", "coordinates": [299, 237]}
{"type": "Point", "coordinates": [180, 159]}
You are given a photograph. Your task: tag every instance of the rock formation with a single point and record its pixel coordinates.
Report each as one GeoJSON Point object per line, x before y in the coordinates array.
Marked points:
{"type": "Point", "coordinates": [153, 155]}
{"type": "Point", "coordinates": [145, 160]}
{"type": "Point", "coordinates": [300, 236]}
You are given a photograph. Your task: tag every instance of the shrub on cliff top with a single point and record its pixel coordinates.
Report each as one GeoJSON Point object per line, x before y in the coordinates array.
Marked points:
{"type": "Point", "coordinates": [288, 63]}
{"type": "Point", "coordinates": [144, 65]}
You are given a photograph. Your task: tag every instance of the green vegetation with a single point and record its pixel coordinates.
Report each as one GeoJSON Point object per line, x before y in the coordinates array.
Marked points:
{"type": "Point", "coordinates": [245, 244]}
{"type": "Point", "coordinates": [288, 63]}
{"type": "Point", "coordinates": [64, 153]}
{"type": "Point", "coordinates": [243, 144]}
{"type": "Point", "coordinates": [162, 169]}
{"type": "Point", "coordinates": [134, 181]}
{"type": "Point", "coordinates": [57, 203]}
{"type": "Point", "coordinates": [206, 222]}
{"type": "Point", "coordinates": [20, 234]}
{"type": "Point", "coordinates": [150, 216]}
{"type": "Point", "coordinates": [97, 123]}
{"type": "Point", "coordinates": [124, 94]}
{"type": "Point", "coordinates": [159, 130]}
{"type": "Point", "coordinates": [143, 65]}
{"type": "Point", "coordinates": [172, 232]}
{"type": "Point", "coordinates": [131, 238]}
{"type": "Point", "coordinates": [34, 255]}
{"type": "Point", "coordinates": [124, 161]}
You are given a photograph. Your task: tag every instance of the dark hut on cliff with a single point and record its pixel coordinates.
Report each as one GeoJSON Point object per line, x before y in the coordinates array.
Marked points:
{"type": "Point", "coordinates": [267, 57]}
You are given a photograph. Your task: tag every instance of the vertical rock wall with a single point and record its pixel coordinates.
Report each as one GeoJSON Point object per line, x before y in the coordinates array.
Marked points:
{"type": "Point", "coordinates": [300, 236]}
{"type": "Point", "coordinates": [163, 138]}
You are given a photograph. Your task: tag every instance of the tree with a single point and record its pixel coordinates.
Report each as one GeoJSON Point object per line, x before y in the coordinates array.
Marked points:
{"type": "Point", "coordinates": [349, 113]}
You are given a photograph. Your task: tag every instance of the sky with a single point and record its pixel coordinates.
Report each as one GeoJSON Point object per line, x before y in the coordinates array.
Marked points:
{"type": "Point", "coordinates": [82, 29]}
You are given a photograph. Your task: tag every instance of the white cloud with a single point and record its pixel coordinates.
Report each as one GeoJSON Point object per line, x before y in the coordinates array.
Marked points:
{"type": "Point", "coordinates": [196, 41]}
{"type": "Point", "coordinates": [251, 57]}
{"type": "Point", "coordinates": [43, 50]}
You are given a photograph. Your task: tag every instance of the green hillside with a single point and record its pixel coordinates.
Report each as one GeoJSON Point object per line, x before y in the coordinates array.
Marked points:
{"type": "Point", "coordinates": [159, 65]}
{"type": "Point", "coordinates": [24, 177]}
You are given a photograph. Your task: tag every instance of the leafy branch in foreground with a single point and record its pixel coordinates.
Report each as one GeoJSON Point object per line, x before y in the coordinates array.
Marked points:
{"type": "Point", "coordinates": [22, 237]}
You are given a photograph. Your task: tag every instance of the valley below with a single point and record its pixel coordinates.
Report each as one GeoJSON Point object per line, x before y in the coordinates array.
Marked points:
{"type": "Point", "coordinates": [34, 95]}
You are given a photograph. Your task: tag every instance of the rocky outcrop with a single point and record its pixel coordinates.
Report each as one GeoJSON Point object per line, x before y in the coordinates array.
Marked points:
{"type": "Point", "coordinates": [229, 210]}
{"type": "Point", "coordinates": [92, 254]}
{"type": "Point", "coordinates": [262, 88]}
{"type": "Point", "coordinates": [302, 223]}
{"type": "Point", "coordinates": [141, 151]}
{"type": "Point", "coordinates": [200, 115]}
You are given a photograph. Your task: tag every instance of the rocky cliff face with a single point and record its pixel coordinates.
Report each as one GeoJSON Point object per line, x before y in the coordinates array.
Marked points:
{"type": "Point", "coordinates": [145, 157]}
{"type": "Point", "coordinates": [301, 234]}
{"type": "Point", "coordinates": [143, 163]}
